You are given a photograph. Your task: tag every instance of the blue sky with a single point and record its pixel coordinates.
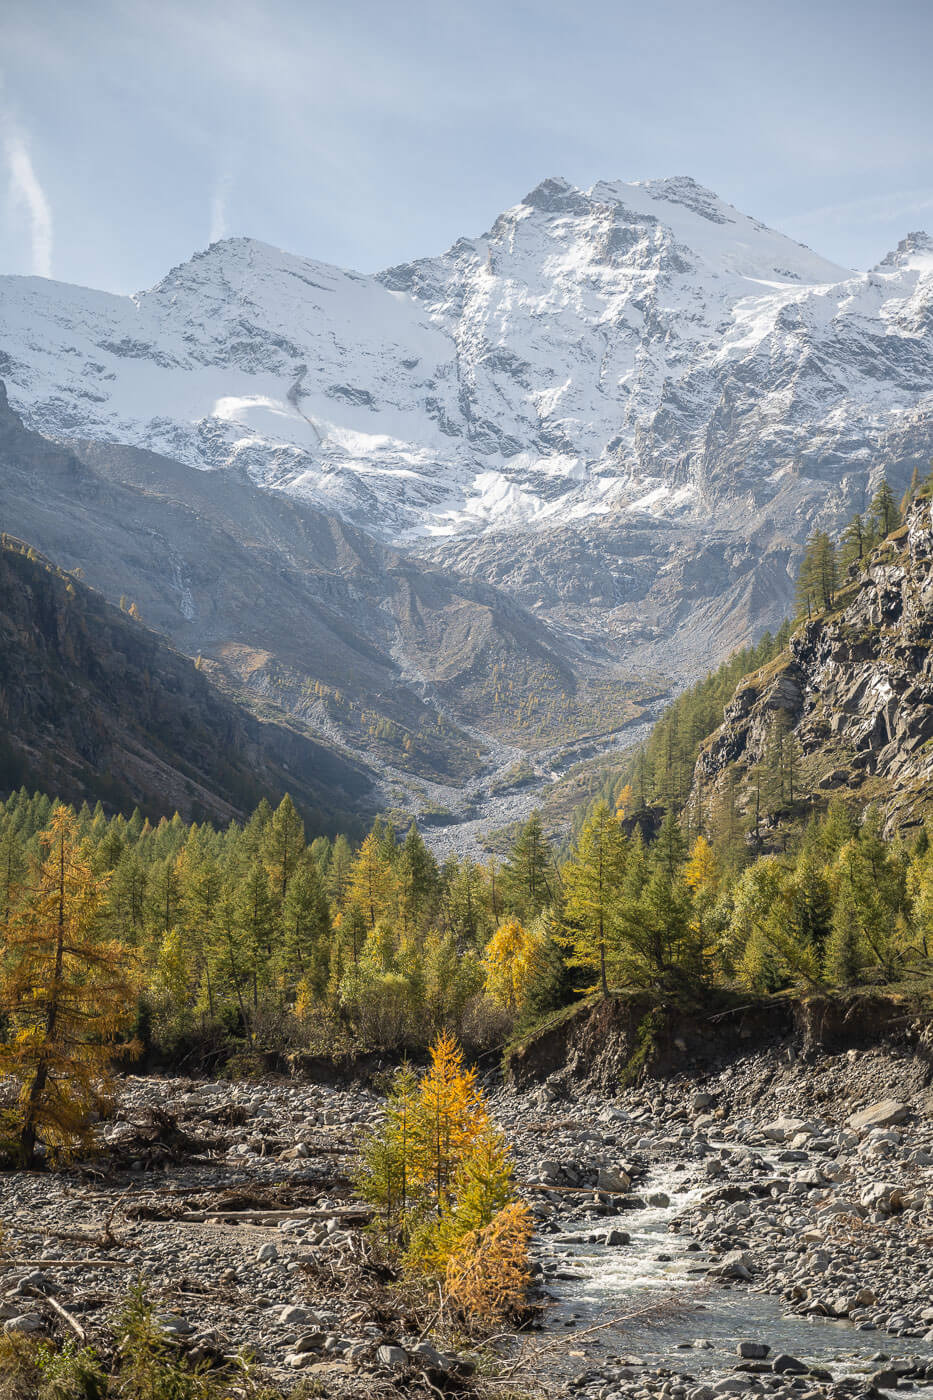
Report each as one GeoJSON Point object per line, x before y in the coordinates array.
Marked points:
{"type": "Point", "coordinates": [365, 133]}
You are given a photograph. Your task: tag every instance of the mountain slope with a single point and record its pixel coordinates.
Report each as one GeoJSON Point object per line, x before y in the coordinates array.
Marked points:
{"type": "Point", "coordinates": [295, 609]}
{"type": "Point", "coordinates": [95, 706]}
{"type": "Point", "coordinates": [854, 688]}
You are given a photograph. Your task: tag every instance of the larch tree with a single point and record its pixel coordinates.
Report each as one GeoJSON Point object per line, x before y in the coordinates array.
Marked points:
{"type": "Point", "coordinates": [593, 880]}
{"type": "Point", "coordinates": [370, 879]}
{"type": "Point", "coordinates": [528, 878]}
{"type": "Point", "coordinates": [884, 512]}
{"type": "Point", "coordinates": [513, 962]}
{"type": "Point", "coordinates": [283, 844]}
{"type": "Point", "coordinates": [66, 991]}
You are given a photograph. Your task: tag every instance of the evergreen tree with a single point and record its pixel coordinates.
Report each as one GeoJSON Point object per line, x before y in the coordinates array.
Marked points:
{"type": "Point", "coordinates": [283, 841]}
{"type": "Point", "coordinates": [418, 879]}
{"type": "Point", "coordinates": [884, 512]}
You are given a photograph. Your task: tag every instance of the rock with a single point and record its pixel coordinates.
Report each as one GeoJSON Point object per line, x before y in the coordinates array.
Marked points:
{"type": "Point", "coordinates": [296, 1316]}
{"type": "Point", "coordinates": [266, 1253]}
{"type": "Point", "coordinates": [427, 1355]}
{"type": "Point", "coordinates": [391, 1358]}
{"type": "Point", "coordinates": [659, 1199]}
{"type": "Point", "coordinates": [613, 1180]}
{"type": "Point", "coordinates": [617, 1237]}
{"type": "Point", "coordinates": [883, 1114]}
{"type": "Point", "coordinates": [700, 1100]}
{"type": "Point", "coordinates": [783, 1129]}
{"type": "Point", "coordinates": [885, 1380]}
{"type": "Point", "coordinates": [173, 1325]}
{"type": "Point", "coordinates": [735, 1264]}
{"type": "Point", "coordinates": [752, 1351]}
{"type": "Point", "coordinates": [784, 1365]}
{"type": "Point", "coordinates": [25, 1322]}
{"type": "Point", "coordinates": [883, 1196]}
{"type": "Point", "coordinates": [37, 1281]}
{"type": "Point", "coordinates": [311, 1341]}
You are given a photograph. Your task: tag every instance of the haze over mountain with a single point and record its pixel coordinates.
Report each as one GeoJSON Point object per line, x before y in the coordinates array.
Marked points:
{"type": "Point", "coordinates": [623, 407]}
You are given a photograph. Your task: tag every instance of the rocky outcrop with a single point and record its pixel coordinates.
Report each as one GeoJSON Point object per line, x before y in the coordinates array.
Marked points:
{"type": "Point", "coordinates": [855, 688]}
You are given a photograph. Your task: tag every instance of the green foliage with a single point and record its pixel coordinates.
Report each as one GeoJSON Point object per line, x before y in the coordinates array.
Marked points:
{"type": "Point", "coordinates": [818, 579]}
{"type": "Point", "coordinates": [141, 1364]}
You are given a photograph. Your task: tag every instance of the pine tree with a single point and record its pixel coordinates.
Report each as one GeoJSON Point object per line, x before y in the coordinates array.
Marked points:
{"type": "Point", "coordinates": [256, 922]}
{"type": "Point", "coordinates": [910, 494]}
{"type": "Point", "coordinates": [283, 843]}
{"type": "Point", "coordinates": [66, 991]}
{"type": "Point", "coordinates": [371, 883]}
{"type": "Point", "coordinates": [818, 579]}
{"type": "Point", "coordinates": [418, 879]}
{"type": "Point", "coordinates": [307, 930]}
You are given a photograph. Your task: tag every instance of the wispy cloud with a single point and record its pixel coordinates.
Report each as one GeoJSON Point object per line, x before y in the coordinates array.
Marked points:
{"type": "Point", "coordinates": [881, 208]}
{"type": "Point", "coordinates": [219, 225]}
{"type": "Point", "coordinates": [27, 193]}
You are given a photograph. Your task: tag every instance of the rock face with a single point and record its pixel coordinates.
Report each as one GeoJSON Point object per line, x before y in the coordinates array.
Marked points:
{"type": "Point", "coordinates": [94, 705]}
{"type": "Point", "coordinates": [625, 405]}
{"type": "Point", "coordinates": [855, 687]}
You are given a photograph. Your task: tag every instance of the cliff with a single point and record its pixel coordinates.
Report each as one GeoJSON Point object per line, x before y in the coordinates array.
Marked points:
{"type": "Point", "coordinates": [853, 689]}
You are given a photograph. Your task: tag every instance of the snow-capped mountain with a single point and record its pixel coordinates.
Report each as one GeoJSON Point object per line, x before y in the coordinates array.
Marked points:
{"type": "Point", "coordinates": [597, 356]}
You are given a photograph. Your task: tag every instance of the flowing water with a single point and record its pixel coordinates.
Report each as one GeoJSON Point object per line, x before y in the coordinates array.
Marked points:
{"type": "Point", "coordinates": [657, 1274]}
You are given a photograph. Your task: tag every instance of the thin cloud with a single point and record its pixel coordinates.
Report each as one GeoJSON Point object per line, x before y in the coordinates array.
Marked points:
{"type": "Point", "coordinates": [874, 209]}
{"type": "Point", "coordinates": [219, 226]}
{"type": "Point", "coordinates": [26, 192]}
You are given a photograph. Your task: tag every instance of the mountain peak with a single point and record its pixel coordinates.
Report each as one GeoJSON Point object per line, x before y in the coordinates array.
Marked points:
{"type": "Point", "coordinates": [914, 251]}
{"type": "Point", "coordinates": [556, 195]}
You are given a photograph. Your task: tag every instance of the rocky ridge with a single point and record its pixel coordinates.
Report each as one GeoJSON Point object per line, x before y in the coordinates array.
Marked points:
{"type": "Point", "coordinates": [95, 706]}
{"type": "Point", "coordinates": [854, 687]}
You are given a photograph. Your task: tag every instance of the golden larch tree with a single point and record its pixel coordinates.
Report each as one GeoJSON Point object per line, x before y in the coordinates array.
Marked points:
{"type": "Point", "coordinates": [66, 991]}
{"type": "Point", "coordinates": [513, 963]}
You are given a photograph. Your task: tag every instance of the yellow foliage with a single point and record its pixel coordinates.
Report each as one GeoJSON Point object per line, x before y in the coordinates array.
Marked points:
{"type": "Point", "coordinates": [65, 991]}
{"type": "Point", "coordinates": [452, 1118]}
{"type": "Point", "coordinates": [702, 869]}
{"type": "Point", "coordinates": [438, 1168]}
{"type": "Point", "coordinates": [513, 962]}
{"type": "Point", "coordinates": [487, 1275]}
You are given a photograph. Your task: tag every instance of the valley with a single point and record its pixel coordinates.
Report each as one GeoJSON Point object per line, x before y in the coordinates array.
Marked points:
{"type": "Point", "coordinates": [423, 973]}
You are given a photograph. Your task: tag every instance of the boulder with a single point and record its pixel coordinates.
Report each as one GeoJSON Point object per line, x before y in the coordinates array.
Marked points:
{"type": "Point", "coordinates": [613, 1179]}
{"type": "Point", "coordinates": [883, 1114]}
{"type": "Point", "coordinates": [391, 1358]}
{"type": "Point", "coordinates": [784, 1365]}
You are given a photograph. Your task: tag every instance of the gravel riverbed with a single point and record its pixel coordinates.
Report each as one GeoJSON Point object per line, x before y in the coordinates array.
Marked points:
{"type": "Point", "coordinates": [765, 1231]}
